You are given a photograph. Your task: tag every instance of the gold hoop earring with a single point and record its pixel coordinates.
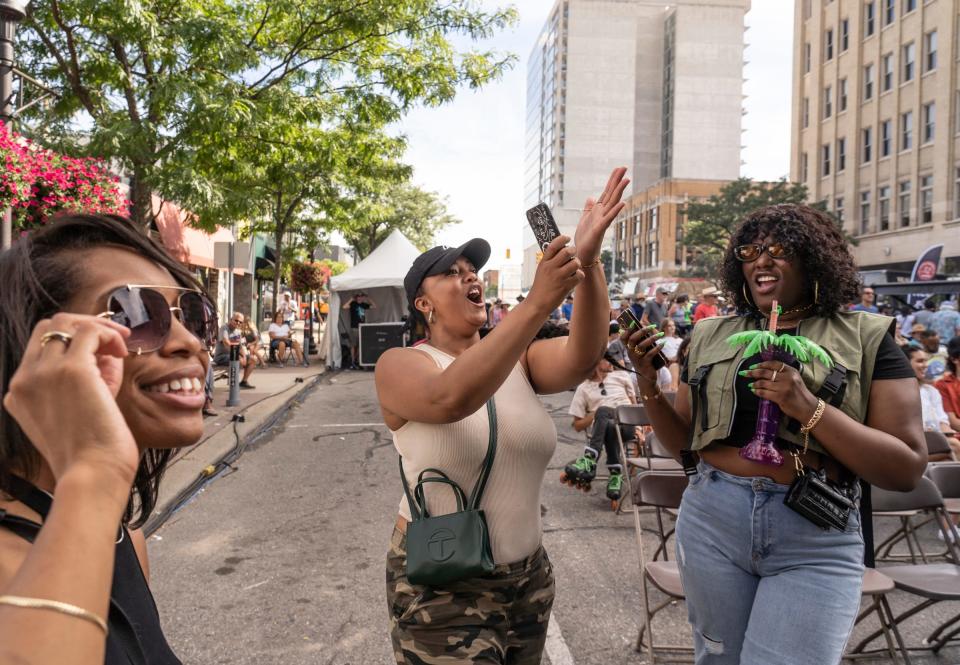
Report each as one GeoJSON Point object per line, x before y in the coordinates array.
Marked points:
{"type": "Point", "coordinates": [746, 296]}
{"type": "Point", "coordinates": [432, 318]}
{"type": "Point", "coordinates": [816, 292]}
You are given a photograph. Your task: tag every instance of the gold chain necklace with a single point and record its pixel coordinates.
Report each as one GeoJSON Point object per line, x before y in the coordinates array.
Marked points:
{"type": "Point", "coordinates": [792, 310]}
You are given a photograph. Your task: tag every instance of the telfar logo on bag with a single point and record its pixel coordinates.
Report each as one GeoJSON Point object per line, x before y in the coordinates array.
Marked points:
{"type": "Point", "coordinates": [441, 545]}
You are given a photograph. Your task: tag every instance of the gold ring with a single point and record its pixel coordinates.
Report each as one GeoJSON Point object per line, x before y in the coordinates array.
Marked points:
{"type": "Point", "coordinates": [783, 366]}
{"type": "Point", "coordinates": [631, 347]}
{"type": "Point", "coordinates": [774, 377]}
{"type": "Point", "coordinates": [57, 335]}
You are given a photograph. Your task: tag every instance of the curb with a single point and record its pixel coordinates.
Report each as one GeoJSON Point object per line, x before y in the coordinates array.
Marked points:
{"type": "Point", "coordinates": [190, 473]}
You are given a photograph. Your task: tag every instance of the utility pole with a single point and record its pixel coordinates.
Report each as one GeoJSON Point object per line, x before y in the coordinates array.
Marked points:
{"type": "Point", "coordinates": [11, 13]}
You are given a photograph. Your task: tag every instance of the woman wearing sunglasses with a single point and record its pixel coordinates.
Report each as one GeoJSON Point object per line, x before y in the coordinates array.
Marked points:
{"type": "Point", "coordinates": [103, 354]}
{"type": "Point", "coordinates": [765, 583]}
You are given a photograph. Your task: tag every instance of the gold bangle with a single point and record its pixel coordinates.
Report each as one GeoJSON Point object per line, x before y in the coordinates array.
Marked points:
{"type": "Point", "coordinates": [584, 266]}
{"type": "Point", "coordinates": [56, 606]}
{"type": "Point", "coordinates": [657, 392]}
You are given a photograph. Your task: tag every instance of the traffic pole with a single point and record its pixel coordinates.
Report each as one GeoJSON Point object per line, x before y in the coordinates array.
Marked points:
{"type": "Point", "coordinates": [234, 376]}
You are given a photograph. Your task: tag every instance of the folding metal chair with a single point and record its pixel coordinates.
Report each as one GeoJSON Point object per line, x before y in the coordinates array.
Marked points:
{"type": "Point", "coordinates": [875, 587]}
{"type": "Point", "coordinates": [934, 582]}
{"type": "Point", "coordinates": [938, 449]}
{"type": "Point", "coordinates": [635, 415]}
{"type": "Point", "coordinates": [662, 490]}
{"type": "Point", "coordinates": [946, 476]}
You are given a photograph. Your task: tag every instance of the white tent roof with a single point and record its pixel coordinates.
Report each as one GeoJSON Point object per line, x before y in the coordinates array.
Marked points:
{"type": "Point", "coordinates": [387, 265]}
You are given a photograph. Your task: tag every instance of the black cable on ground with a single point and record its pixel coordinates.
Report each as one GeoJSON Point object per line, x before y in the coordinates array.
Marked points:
{"type": "Point", "coordinates": [225, 463]}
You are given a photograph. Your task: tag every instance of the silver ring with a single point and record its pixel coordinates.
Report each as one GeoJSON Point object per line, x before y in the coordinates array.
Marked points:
{"type": "Point", "coordinates": [57, 335]}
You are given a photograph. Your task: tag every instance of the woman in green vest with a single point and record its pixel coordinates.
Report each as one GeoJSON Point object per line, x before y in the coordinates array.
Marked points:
{"type": "Point", "coordinates": [765, 583]}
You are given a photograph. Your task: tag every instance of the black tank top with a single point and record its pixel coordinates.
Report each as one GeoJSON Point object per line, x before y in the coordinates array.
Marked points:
{"type": "Point", "coordinates": [135, 636]}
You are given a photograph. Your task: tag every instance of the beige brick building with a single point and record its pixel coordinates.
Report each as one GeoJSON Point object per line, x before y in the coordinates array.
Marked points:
{"type": "Point", "coordinates": [648, 234]}
{"type": "Point", "coordinates": [875, 126]}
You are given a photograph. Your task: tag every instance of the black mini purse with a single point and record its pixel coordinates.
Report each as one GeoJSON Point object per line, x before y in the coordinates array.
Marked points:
{"type": "Point", "coordinates": [813, 495]}
{"type": "Point", "coordinates": [816, 498]}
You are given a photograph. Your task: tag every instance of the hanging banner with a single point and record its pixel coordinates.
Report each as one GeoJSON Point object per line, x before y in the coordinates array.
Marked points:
{"type": "Point", "coordinates": [925, 270]}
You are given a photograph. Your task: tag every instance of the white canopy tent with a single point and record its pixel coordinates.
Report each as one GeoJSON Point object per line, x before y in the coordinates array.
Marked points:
{"type": "Point", "coordinates": [380, 276]}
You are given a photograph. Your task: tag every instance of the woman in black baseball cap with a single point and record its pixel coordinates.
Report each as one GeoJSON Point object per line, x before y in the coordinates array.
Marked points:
{"type": "Point", "coordinates": [433, 399]}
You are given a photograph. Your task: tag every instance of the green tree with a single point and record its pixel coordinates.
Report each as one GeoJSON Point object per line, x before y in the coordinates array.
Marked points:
{"type": "Point", "coordinates": [373, 216]}
{"type": "Point", "coordinates": [147, 82]}
{"type": "Point", "coordinates": [709, 223]}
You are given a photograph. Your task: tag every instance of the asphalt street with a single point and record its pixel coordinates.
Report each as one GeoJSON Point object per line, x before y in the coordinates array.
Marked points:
{"type": "Point", "coordinates": [282, 559]}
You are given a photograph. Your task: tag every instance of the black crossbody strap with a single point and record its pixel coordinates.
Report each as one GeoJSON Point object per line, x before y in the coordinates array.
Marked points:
{"type": "Point", "coordinates": [35, 499]}
{"type": "Point", "coordinates": [832, 391]}
{"type": "Point", "coordinates": [697, 385]}
{"type": "Point", "coordinates": [414, 510]}
{"type": "Point", "coordinates": [477, 492]}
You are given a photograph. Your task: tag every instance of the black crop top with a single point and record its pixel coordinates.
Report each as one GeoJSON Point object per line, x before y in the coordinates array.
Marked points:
{"type": "Point", "coordinates": [890, 363]}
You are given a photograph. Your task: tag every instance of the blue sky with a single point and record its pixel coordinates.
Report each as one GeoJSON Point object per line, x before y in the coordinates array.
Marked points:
{"type": "Point", "coordinates": [471, 150]}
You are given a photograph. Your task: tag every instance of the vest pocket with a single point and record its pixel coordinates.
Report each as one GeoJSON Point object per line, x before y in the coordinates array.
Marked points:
{"type": "Point", "coordinates": [716, 391]}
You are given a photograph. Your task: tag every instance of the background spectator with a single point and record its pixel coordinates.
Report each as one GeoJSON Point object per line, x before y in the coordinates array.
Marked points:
{"type": "Point", "coordinates": [567, 307]}
{"type": "Point", "coordinates": [949, 384]}
{"type": "Point", "coordinates": [288, 307]}
{"type": "Point", "coordinates": [707, 306]}
{"type": "Point", "coordinates": [682, 314]}
{"type": "Point", "coordinates": [231, 334]}
{"type": "Point", "coordinates": [924, 315]}
{"type": "Point", "coordinates": [936, 354]}
{"type": "Point", "coordinates": [934, 417]}
{"type": "Point", "coordinates": [656, 310]}
{"type": "Point", "coordinates": [639, 303]}
{"type": "Point", "coordinates": [866, 304]}
{"type": "Point", "coordinates": [946, 322]}
{"type": "Point", "coordinates": [358, 306]}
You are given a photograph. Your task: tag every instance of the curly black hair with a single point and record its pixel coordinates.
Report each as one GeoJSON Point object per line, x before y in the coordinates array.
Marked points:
{"type": "Point", "coordinates": [813, 241]}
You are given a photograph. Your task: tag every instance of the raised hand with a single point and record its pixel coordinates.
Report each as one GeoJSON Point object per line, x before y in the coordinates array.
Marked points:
{"type": "Point", "coordinates": [598, 215]}
{"type": "Point", "coordinates": [63, 396]}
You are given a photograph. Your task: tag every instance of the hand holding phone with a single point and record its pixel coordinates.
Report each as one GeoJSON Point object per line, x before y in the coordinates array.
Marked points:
{"type": "Point", "coordinates": [629, 324]}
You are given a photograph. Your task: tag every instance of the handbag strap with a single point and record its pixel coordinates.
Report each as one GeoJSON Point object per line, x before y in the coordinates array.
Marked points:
{"type": "Point", "coordinates": [442, 478]}
{"type": "Point", "coordinates": [419, 511]}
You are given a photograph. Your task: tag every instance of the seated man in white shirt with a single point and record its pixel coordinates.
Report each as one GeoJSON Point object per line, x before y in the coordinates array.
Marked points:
{"type": "Point", "coordinates": [594, 404]}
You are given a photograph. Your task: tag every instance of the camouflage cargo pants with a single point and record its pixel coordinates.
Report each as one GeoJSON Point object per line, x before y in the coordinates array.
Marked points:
{"type": "Point", "coordinates": [499, 618]}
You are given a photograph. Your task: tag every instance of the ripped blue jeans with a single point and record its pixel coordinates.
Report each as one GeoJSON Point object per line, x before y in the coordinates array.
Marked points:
{"type": "Point", "coordinates": [763, 584]}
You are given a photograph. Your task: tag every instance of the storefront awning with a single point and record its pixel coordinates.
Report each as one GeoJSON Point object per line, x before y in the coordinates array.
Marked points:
{"type": "Point", "coordinates": [186, 243]}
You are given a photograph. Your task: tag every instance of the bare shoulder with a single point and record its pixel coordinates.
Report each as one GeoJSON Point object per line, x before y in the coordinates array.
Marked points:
{"type": "Point", "coordinates": [399, 363]}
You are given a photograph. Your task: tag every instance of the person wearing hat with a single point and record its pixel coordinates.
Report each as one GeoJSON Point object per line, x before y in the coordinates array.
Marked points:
{"type": "Point", "coordinates": [358, 306]}
{"type": "Point", "coordinates": [433, 399]}
{"type": "Point", "coordinates": [656, 310]}
{"type": "Point", "coordinates": [707, 306]}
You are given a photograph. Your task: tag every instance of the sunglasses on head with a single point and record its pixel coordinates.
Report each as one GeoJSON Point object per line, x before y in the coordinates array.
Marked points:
{"type": "Point", "coordinates": [752, 251]}
{"type": "Point", "coordinates": [148, 315]}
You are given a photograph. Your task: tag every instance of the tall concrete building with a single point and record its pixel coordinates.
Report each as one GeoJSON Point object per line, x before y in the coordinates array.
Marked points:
{"type": "Point", "coordinates": [876, 130]}
{"type": "Point", "coordinates": [654, 86]}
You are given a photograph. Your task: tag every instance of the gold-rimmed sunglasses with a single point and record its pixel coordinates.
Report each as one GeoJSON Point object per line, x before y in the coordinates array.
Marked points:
{"type": "Point", "coordinates": [145, 311]}
{"type": "Point", "coordinates": [752, 251]}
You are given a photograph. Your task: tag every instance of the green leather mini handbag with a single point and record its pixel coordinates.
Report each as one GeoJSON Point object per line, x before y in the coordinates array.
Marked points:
{"type": "Point", "coordinates": [449, 548]}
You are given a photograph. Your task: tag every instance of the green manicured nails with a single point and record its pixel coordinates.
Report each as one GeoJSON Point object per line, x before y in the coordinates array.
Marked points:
{"type": "Point", "coordinates": [743, 372]}
{"type": "Point", "coordinates": [750, 386]}
{"type": "Point", "coordinates": [660, 334]}
{"type": "Point", "coordinates": [754, 366]}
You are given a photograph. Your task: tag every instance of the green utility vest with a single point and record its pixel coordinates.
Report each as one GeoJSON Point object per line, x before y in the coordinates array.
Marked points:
{"type": "Point", "coordinates": [850, 338]}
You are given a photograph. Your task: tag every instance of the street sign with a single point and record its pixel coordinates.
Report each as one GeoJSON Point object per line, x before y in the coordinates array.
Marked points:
{"type": "Point", "coordinates": [241, 255]}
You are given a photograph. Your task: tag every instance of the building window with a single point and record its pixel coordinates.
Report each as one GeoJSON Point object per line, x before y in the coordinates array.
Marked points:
{"type": "Point", "coordinates": [828, 44]}
{"type": "Point", "coordinates": [804, 168]}
{"type": "Point", "coordinates": [838, 210]}
{"type": "Point", "coordinates": [844, 34]}
{"type": "Point", "coordinates": [807, 58]}
{"type": "Point", "coordinates": [865, 212]}
{"type": "Point", "coordinates": [867, 144]}
{"type": "Point", "coordinates": [929, 121]}
{"type": "Point", "coordinates": [868, 82]}
{"type": "Point", "coordinates": [827, 102]}
{"type": "Point", "coordinates": [886, 75]}
{"type": "Point", "coordinates": [883, 206]}
{"type": "Point", "coordinates": [909, 6]}
{"type": "Point", "coordinates": [841, 154]}
{"type": "Point", "coordinates": [904, 203]}
{"type": "Point", "coordinates": [806, 112]}
{"type": "Point", "coordinates": [909, 58]}
{"type": "Point", "coordinates": [889, 11]}
{"type": "Point", "coordinates": [956, 193]}
{"type": "Point", "coordinates": [825, 160]}
{"type": "Point", "coordinates": [869, 18]}
{"type": "Point", "coordinates": [886, 138]}
{"type": "Point", "coordinates": [926, 199]}
{"type": "Point", "coordinates": [636, 258]}
{"type": "Point", "coordinates": [906, 130]}
{"type": "Point", "coordinates": [807, 8]}
{"type": "Point", "coordinates": [930, 51]}
{"type": "Point", "coordinates": [842, 95]}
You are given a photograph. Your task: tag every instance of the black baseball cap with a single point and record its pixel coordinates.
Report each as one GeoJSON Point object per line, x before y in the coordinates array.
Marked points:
{"type": "Point", "coordinates": [437, 260]}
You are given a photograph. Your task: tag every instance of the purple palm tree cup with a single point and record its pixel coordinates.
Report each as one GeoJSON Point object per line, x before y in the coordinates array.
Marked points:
{"type": "Point", "coordinates": [761, 447]}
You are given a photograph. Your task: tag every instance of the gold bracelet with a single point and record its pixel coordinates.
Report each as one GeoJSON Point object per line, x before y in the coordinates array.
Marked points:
{"type": "Point", "coordinates": [584, 266]}
{"type": "Point", "coordinates": [815, 418]}
{"type": "Point", "coordinates": [657, 392]}
{"type": "Point", "coordinates": [56, 606]}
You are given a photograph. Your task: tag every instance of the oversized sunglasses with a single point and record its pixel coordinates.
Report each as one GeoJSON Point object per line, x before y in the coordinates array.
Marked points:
{"type": "Point", "coordinates": [148, 315]}
{"type": "Point", "coordinates": [753, 250]}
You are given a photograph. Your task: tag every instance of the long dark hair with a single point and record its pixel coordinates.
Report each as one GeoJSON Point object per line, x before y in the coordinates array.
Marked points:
{"type": "Point", "coordinates": [813, 241]}
{"type": "Point", "coordinates": [40, 274]}
{"type": "Point", "coordinates": [953, 353]}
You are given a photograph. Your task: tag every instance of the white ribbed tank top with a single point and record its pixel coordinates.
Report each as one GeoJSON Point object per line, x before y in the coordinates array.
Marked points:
{"type": "Point", "coordinates": [526, 439]}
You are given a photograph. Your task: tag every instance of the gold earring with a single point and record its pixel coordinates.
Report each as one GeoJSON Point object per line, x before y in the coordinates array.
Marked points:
{"type": "Point", "coordinates": [746, 296]}
{"type": "Point", "coordinates": [432, 318]}
{"type": "Point", "coordinates": [816, 292]}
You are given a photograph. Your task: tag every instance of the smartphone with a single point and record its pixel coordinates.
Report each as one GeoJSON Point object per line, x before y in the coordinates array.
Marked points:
{"type": "Point", "coordinates": [544, 227]}
{"type": "Point", "coordinates": [629, 321]}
